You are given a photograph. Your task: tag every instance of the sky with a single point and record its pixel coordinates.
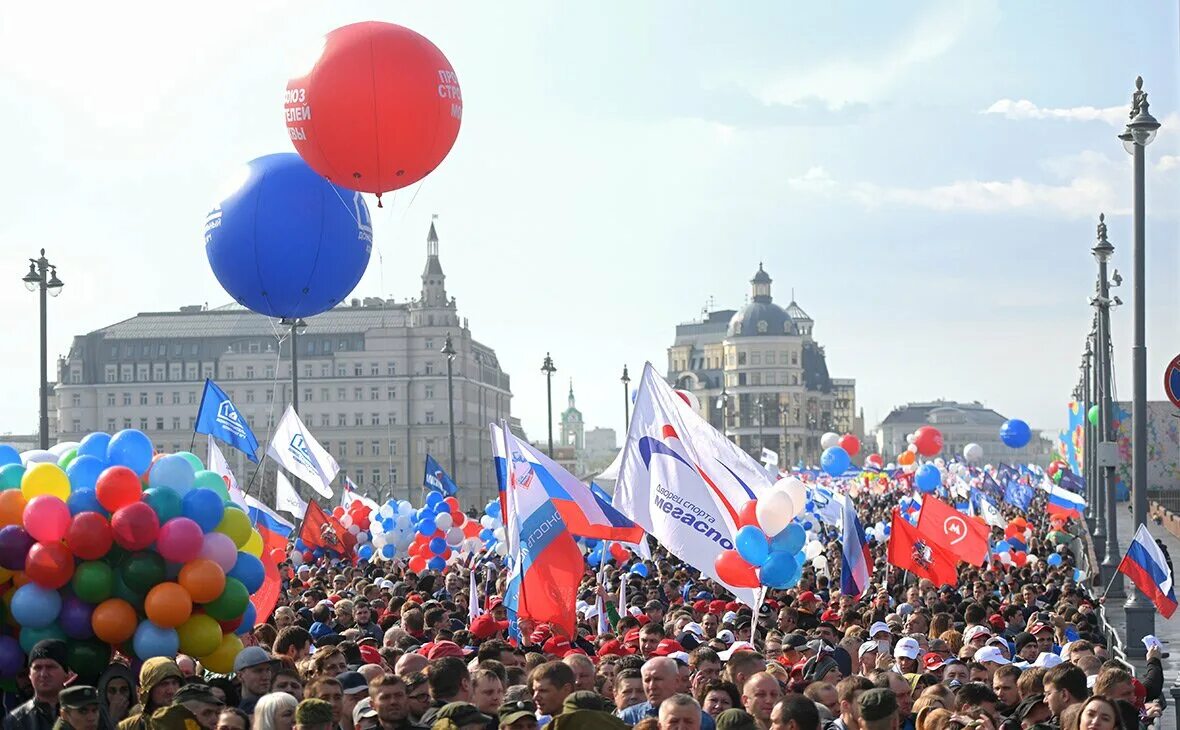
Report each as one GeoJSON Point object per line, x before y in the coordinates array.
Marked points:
{"type": "Point", "coordinates": [925, 176]}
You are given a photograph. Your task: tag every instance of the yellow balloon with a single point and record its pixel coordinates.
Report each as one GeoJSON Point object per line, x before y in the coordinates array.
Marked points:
{"type": "Point", "coordinates": [236, 525]}
{"type": "Point", "coordinates": [200, 635]}
{"type": "Point", "coordinates": [254, 544]}
{"type": "Point", "coordinates": [221, 660]}
{"type": "Point", "coordinates": [45, 478]}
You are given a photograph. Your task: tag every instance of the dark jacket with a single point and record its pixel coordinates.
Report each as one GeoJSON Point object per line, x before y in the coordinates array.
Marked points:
{"type": "Point", "coordinates": [32, 715]}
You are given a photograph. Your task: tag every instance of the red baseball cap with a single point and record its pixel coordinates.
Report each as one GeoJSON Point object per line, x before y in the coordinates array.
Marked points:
{"type": "Point", "coordinates": [932, 661]}
{"type": "Point", "coordinates": [442, 649]}
{"type": "Point", "coordinates": [717, 606]}
{"type": "Point", "coordinates": [558, 646]}
{"type": "Point", "coordinates": [613, 647]}
{"type": "Point", "coordinates": [830, 615]}
{"type": "Point", "coordinates": [806, 596]}
{"type": "Point", "coordinates": [485, 627]}
{"type": "Point", "coordinates": [632, 637]}
{"type": "Point", "coordinates": [666, 647]}
{"type": "Point", "coordinates": [732, 606]}
{"type": "Point", "coordinates": [997, 621]}
{"type": "Point", "coordinates": [701, 606]}
{"type": "Point", "coordinates": [495, 601]}
{"type": "Point", "coordinates": [539, 635]}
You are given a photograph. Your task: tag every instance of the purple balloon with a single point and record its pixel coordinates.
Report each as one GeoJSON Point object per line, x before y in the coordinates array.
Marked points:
{"type": "Point", "coordinates": [12, 659]}
{"type": "Point", "coordinates": [220, 549]}
{"type": "Point", "coordinates": [75, 618]}
{"type": "Point", "coordinates": [14, 547]}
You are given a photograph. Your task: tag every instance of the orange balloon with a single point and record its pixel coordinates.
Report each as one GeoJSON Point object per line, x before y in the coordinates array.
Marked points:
{"type": "Point", "coordinates": [203, 579]}
{"type": "Point", "coordinates": [12, 507]}
{"type": "Point", "coordinates": [905, 458]}
{"type": "Point", "coordinates": [20, 578]}
{"type": "Point", "coordinates": [168, 605]}
{"type": "Point", "coordinates": [114, 621]}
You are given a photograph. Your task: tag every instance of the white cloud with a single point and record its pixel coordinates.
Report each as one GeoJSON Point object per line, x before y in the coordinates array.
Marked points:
{"type": "Point", "coordinates": [864, 79]}
{"type": "Point", "coordinates": [815, 180]}
{"type": "Point", "coordinates": [1116, 116]}
{"type": "Point", "coordinates": [1168, 163]}
{"type": "Point", "coordinates": [1080, 197]}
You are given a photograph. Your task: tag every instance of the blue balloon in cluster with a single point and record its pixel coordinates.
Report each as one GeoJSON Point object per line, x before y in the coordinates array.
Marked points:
{"type": "Point", "coordinates": [438, 545]}
{"type": "Point", "coordinates": [425, 527]}
{"type": "Point", "coordinates": [1002, 546]}
{"type": "Point", "coordinates": [132, 449]}
{"type": "Point", "coordinates": [365, 552]}
{"type": "Point", "coordinates": [9, 455]}
{"type": "Point", "coordinates": [34, 607]}
{"type": "Point", "coordinates": [151, 640]}
{"type": "Point", "coordinates": [781, 570]}
{"type": "Point", "coordinates": [288, 243]}
{"type": "Point", "coordinates": [95, 444]}
{"type": "Point", "coordinates": [433, 499]}
{"type": "Point", "coordinates": [172, 471]}
{"type": "Point", "coordinates": [928, 478]}
{"type": "Point", "coordinates": [388, 551]}
{"type": "Point", "coordinates": [84, 500]}
{"type": "Point", "coordinates": [751, 545]}
{"type": "Point", "coordinates": [83, 471]}
{"type": "Point", "coordinates": [204, 507]}
{"type": "Point", "coordinates": [248, 569]}
{"type": "Point", "coordinates": [835, 461]}
{"type": "Point", "coordinates": [1054, 559]}
{"type": "Point", "coordinates": [249, 618]}
{"type": "Point", "coordinates": [436, 563]}
{"type": "Point", "coordinates": [493, 509]}
{"type": "Point", "coordinates": [486, 534]}
{"type": "Point", "coordinates": [789, 540]}
{"type": "Point", "coordinates": [639, 569]}
{"type": "Point", "coordinates": [1015, 433]}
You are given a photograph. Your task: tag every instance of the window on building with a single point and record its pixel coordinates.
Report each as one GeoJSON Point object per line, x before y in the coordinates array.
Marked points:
{"type": "Point", "coordinates": [229, 372]}
{"type": "Point", "coordinates": [374, 369]}
{"type": "Point", "coordinates": [343, 345]}
{"type": "Point", "coordinates": [254, 347]}
{"type": "Point", "coordinates": [340, 394]}
{"type": "Point", "coordinates": [360, 448]}
{"type": "Point", "coordinates": [376, 474]}
{"type": "Point", "coordinates": [755, 358]}
{"type": "Point", "coordinates": [325, 370]}
{"type": "Point", "coordinates": [341, 419]}
{"type": "Point", "coordinates": [392, 475]}
{"type": "Point", "coordinates": [110, 425]}
{"type": "Point", "coordinates": [375, 448]}
{"type": "Point", "coordinates": [126, 399]}
{"type": "Point", "coordinates": [429, 389]}
{"type": "Point", "coordinates": [392, 447]}
{"type": "Point", "coordinates": [249, 396]}
{"type": "Point", "coordinates": [343, 448]}
{"type": "Point", "coordinates": [249, 372]}
{"type": "Point", "coordinates": [374, 419]}
{"type": "Point", "coordinates": [127, 423]}
{"type": "Point", "coordinates": [391, 393]}
{"type": "Point", "coordinates": [192, 397]}
{"type": "Point", "coordinates": [270, 372]}
{"type": "Point", "coordinates": [741, 358]}
{"type": "Point", "coordinates": [325, 420]}
{"type": "Point", "coordinates": [159, 399]}
{"type": "Point", "coordinates": [110, 399]}
{"type": "Point", "coordinates": [391, 368]}
{"type": "Point", "coordinates": [357, 393]}
{"type": "Point", "coordinates": [175, 424]}
{"type": "Point", "coordinates": [429, 344]}
{"type": "Point", "coordinates": [159, 423]}
{"type": "Point", "coordinates": [190, 371]}
{"type": "Point", "coordinates": [755, 378]}
{"type": "Point", "coordinates": [341, 371]}
{"type": "Point", "coordinates": [358, 370]}
{"type": "Point", "coordinates": [307, 371]}
{"type": "Point", "coordinates": [392, 419]}
{"type": "Point", "coordinates": [77, 425]}
{"type": "Point", "coordinates": [307, 395]}
{"type": "Point", "coordinates": [430, 416]}
{"type": "Point", "coordinates": [143, 424]}
{"type": "Point", "coordinates": [75, 377]}
{"type": "Point", "coordinates": [741, 378]}
{"type": "Point", "coordinates": [76, 400]}
{"type": "Point", "coordinates": [430, 368]}
{"type": "Point", "coordinates": [270, 395]}
{"type": "Point", "coordinates": [143, 401]}
{"type": "Point", "coordinates": [374, 393]}
{"type": "Point", "coordinates": [111, 374]}
{"type": "Point", "coordinates": [358, 419]}
{"type": "Point", "coordinates": [360, 478]}
{"type": "Point", "coordinates": [176, 397]}
{"type": "Point", "coordinates": [794, 358]}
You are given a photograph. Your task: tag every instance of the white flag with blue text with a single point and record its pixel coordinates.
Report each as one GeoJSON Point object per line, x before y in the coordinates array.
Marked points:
{"type": "Point", "coordinates": [296, 450]}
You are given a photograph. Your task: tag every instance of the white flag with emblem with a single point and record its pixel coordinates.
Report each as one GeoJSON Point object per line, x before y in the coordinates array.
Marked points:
{"type": "Point", "coordinates": [287, 499]}
{"type": "Point", "coordinates": [217, 463]}
{"type": "Point", "coordinates": [296, 450]}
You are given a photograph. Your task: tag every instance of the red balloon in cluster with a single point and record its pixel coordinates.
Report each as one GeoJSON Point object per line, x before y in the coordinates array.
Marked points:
{"type": "Point", "coordinates": [733, 570]}
{"type": "Point", "coordinates": [875, 460]}
{"type": "Point", "coordinates": [136, 526]}
{"type": "Point", "coordinates": [928, 440]}
{"type": "Point", "coordinates": [117, 487]}
{"type": "Point", "coordinates": [850, 443]}
{"type": "Point", "coordinates": [748, 514]}
{"type": "Point", "coordinates": [378, 111]}
{"type": "Point", "coordinates": [49, 565]}
{"type": "Point", "coordinates": [89, 536]}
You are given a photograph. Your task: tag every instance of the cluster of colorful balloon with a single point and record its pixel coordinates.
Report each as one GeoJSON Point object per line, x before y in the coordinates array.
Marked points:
{"type": "Point", "coordinates": [768, 546]}
{"type": "Point", "coordinates": [1013, 549]}
{"type": "Point", "coordinates": [441, 529]}
{"type": "Point", "coordinates": [112, 548]}
{"type": "Point", "coordinates": [492, 529]}
{"type": "Point", "coordinates": [837, 452]}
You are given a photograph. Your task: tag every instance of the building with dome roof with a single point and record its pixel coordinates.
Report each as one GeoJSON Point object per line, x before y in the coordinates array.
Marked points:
{"type": "Point", "coordinates": [762, 378]}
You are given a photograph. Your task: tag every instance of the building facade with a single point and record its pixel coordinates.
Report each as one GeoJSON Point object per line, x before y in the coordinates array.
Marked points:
{"type": "Point", "coordinates": [960, 424]}
{"type": "Point", "coordinates": [761, 377]}
{"type": "Point", "coordinates": [371, 378]}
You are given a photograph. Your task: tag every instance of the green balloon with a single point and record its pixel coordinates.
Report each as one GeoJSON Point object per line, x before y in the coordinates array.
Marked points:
{"type": "Point", "coordinates": [120, 590]}
{"type": "Point", "coordinates": [93, 581]}
{"type": "Point", "coordinates": [193, 459]}
{"type": "Point", "coordinates": [10, 476]}
{"type": "Point", "coordinates": [164, 501]}
{"type": "Point", "coordinates": [231, 603]}
{"type": "Point", "coordinates": [211, 480]}
{"type": "Point", "coordinates": [89, 659]}
{"type": "Point", "coordinates": [29, 636]}
{"type": "Point", "coordinates": [142, 571]}
{"type": "Point", "coordinates": [1092, 415]}
{"type": "Point", "coordinates": [67, 458]}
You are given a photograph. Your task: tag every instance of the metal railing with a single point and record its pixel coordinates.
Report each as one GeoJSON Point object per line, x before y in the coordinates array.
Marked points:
{"type": "Point", "coordinates": [1086, 559]}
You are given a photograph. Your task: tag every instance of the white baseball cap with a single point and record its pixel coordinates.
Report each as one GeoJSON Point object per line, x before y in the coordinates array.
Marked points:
{"type": "Point", "coordinates": [878, 628]}
{"type": "Point", "coordinates": [725, 635]}
{"type": "Point", "coordinates": [1048, 660]}
{"type": "Point", "coordinates": [740, 646]}
{"type": "Point", "coordinates": [729, 617]}
{"type": "Point", "coordinates": [975, 632]}
{"type": "Point", "coordinates": [695, 629]}
{"type": "Point", "coordinates": [865, 648]}
{"type": "Point", "coordinates": [908, 648]}
{"type": "Point", "coordinates": [991, 654]}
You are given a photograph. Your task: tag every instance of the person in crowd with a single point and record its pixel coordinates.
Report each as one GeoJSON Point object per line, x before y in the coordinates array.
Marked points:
{"type": "Point", "coordinates": [274, 711]}
{"type": "Point", "coordinates": [159, 680]}
{"type": "Point", "coordinates": [192, 704]}
{"type": "Point", "coordinates": [116, 687]}
{"type": "Point", "coordinates": [231, 718]}
{"type": "Point", "coordinates": [78, 708]}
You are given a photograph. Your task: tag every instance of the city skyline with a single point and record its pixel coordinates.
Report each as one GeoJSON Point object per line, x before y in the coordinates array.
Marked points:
{"type": "Point", "coordinates": [938, 232]}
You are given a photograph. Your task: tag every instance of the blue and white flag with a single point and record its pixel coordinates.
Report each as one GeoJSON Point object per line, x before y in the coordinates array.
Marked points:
{"type": "Point", "coordinates": [856, 561]}
{"type": "Point", "coordinates": [436, 478]}
{"type": "Point", "coordinates": [296, 450]}
{"type": "Point", "coordinates": [1018, 495]}
{"type": "Point", "coordinates": [219, 418]}
{"type": "Point", "coordinates": [1073, 481]}
{"type": "Point", "coordinates": [1147, 567]}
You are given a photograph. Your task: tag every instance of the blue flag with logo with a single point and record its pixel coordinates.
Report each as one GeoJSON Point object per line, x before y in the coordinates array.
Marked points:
{"type": "Point", "coordinates": [219, 418]}
{"type": "Point", "coordinates": [1073, 481]}
{"type": "Point", "coordinates": [437, 479]}
{"type": "Point", "coordinates": [1018, 495]}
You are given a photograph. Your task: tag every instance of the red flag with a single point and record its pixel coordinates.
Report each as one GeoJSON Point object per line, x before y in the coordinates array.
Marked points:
{"type": "Point", "coordinates": [947, 527]}
{"type": "Point", "coordinates": [267, 596]}
{"type": "Point", "coordinates": [322, 530]}
{"type": "Point", "coordinates": [908, 550]}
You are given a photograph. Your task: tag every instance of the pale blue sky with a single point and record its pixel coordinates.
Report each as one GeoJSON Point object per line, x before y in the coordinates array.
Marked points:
{"type": "Point", "coordinates": [925, 175]}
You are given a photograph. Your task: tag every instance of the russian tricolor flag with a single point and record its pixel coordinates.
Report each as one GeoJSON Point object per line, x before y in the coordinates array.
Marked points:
{"type": "Point", "coordinates": [1147, 568]}
{"type": "Point", "coordinates": [274, 531]}
{"type": "Point", "coordinates": [856, 564]}
{"type": "Point", "coordinates": [1064, 503]}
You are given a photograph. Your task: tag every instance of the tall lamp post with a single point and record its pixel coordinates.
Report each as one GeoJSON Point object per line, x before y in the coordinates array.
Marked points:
{"type": "Point", "coordinates": [723, 404]}
{"type": "Point", "coordinates": [1103, 250]}
{"type": "Point", "coordinates": [761, 406]}
{"type": "Point", "coordinates": [1139, 133]}
{"type": "Point", "coordinates": [448, 349]}
{"type": "Point", "coordinates": [626, 381]}
{"type": "Point", "coordinates": [43, 276]}
{"type": "Point", "coordinates": [1086, 398]}
{"type": "Point", "coordinates": [297, 326]}
{"type": "Point", "coordinates": [549, 368]}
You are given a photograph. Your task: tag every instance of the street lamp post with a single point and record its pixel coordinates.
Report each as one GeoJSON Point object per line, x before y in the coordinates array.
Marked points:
{"type": "Point", "coordinates": [1087, 398]}
{"type": "Point", "coordinates": [448, 349]}
{"type": "Point", "coordinates": [783, 410]}
{"type": "Point", "coordinates": [1103, 250]}
{"type": "Point", "coordinates": [42, 276]}
{"type": "Point", "coordinates": [626, 381]}
{"type": "Point", "coordinates": [1139, 133]}
{"type": "Point", "coordinates": [549, 368]}
{"type": "Point", "coordinates": [1097, 434]}
{"type": "Point", "coordinates": [723, 404]}
{"type": "Point", "coordinates": [297, 326]}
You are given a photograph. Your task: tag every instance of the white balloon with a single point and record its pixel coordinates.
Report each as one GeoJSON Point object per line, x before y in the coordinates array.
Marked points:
{"type": "Point", "coordinates": [444, 521]}
{"type": "Point", "coordinates": [910, 468]}
{"type": "Point", "coordinates": [404, 507]}
{"type": "Point", "coordinates": [403, 522]}
{"type": "Point", "coordinates": [38, 456]}
{"type": "Point", "coordinates": [487, 522]}
{"type": "Point", "coordinates": [774, 510]}
{"type": "Point", "coordinates": [501, 549]}
{"type": "Point", "coordinates": [379, 540]}
{"type": "Point", "coordinates": [912, 449]}
{"type": "Point", "coordinates": [346, 520]}
{"type": "Point", "coordinates": [972, 452]}
{"type": "Point", "coordinates": [813, 548]}
{"type": "Point", "coordinates": [473, 544]}
{"type": "Point", "coordinates": [454, 536]}
{"type": "Point", "coordinates": [820, 562]}
{"type": "Point", "coordinates": [354, 529]}
{"type": "Point", "coordinates": [1032, 559]}
{"type": "Point", "coordinates": [940, 463]}
{"type": "Point", "coordinates": [910, 438]}
{"type": "Point", "coordinates": [828, 440]}
{"type": "Point", "coordinates": [362, 538]}
{"type": "Point", "coordinates": [797, 491]}
{"type": "Point", "coordinates": [60, 449]}
{"type": "Point", "coordinates": [498, 533]}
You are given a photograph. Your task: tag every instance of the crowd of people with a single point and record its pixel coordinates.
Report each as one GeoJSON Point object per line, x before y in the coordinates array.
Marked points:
{"type": "Point", "coordinates": [375, 646]}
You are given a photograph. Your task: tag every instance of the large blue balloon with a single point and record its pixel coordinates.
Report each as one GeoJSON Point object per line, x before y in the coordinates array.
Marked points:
{"type": "Point", "coordinates": [84, 500]}
{"type": "Point", "coordinates": [835, 461]}
{"type": "Point", "coordinates": [1015, 433]}
{"type": "Point", "coordinates": [151, 640]}
{"type": "Point", "coordinates": [34, 607]}
{"type": "Point", "coordinates": [288, 243]}
{"type": "Point", "coordinates": [203, 506]}
{"type": "Point", "coordinates": [95, 444]}
{"type": "Point", "coordinates": [751, 545]}
{"type": "Point", "coordinates": [9, 455]}
{"type": "Point", "coordinates": [1054, 559]}
{"type": "Point", "coordinates": [130, 448]}
{"type": "Point", "coordinates": [248, 569]}
{"type": "Point", "coordinates": [173, 471]}
{"type": "Point", "coordinates": [83, 471]}
{"type": "Point", "coordinates": [927, 478]}
{"type": "Point", "coordinates": [781, 570]}
{"type": "Point", "coordinates": [789, 540]}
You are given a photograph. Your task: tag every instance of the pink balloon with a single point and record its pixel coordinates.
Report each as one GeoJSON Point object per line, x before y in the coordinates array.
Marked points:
{"type": "Point", "coordinates": [180, 540]}
{"type": "Point", "coordinates": [220, 549]}
{"type": "Point", "coordinates": [46, 518]}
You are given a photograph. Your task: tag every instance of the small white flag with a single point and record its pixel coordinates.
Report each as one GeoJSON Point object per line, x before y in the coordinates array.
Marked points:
{"type": "Point", "coordinates": [296, 450]}
{"type": "Point", "coordinates": [351, 494]}
{"type": "Point", "coordinates": [769, 458]}
{"type": "Point", "coordinates": [287, 499]}
{"type": "Point", "coordinates": [217, 463]}
{"type": "Point", "coordinates": [473, 609]}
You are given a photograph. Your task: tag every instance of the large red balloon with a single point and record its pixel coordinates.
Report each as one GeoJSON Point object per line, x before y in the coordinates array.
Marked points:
{"type": "Point", "coordinates": [875, 460]}
{"type": "Point", "coordinates": [135, 526]}
{"type": "Point", "coordinates": [850, 443]}
{"type": "Point", "coordinates": [928, 439]}
{"type": "Point", "coordinates": [89, 535]}
{"type": "Point", "coordinates": [118, 487]}
{"type": "Point", "coordinates": [49, 565]}
{"type": "Point", "coordinates": [735, 571]}
{"type": "Point", "coordinates": [378, 111]}
{"type": "Point", "coordinates": [748, 514]}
